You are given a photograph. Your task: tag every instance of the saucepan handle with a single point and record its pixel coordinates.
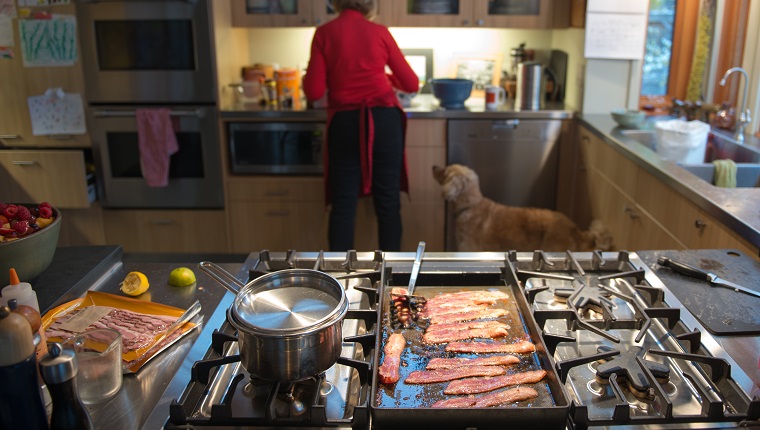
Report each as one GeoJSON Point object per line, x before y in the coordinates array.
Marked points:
{"type": "Point", "coordinates": [227, 279]}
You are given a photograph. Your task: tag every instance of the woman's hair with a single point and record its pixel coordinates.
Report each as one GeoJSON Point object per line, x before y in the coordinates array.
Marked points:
{"type": "Point", "coordinates": [367, 7]}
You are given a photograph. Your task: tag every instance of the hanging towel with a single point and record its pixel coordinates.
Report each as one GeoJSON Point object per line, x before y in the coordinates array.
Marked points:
{"type": "Point", "coordinates": [157, 143]}
{"type": "Point", "coordinates": [725, 173]}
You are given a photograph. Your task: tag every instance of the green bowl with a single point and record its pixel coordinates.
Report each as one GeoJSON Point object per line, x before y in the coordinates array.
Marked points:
{"type": "Point", "coordinates": [31, 254]}
{"type": "Point", "coordinates": [628, 118]}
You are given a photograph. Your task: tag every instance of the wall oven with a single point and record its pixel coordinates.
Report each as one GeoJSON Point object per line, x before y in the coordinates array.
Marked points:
{"type": "Point", "coordinates": [147, 51]}
{"type": "Point", "coordinates": [276, 148]}
{"type": "Point", "coordinates": [195, 178]}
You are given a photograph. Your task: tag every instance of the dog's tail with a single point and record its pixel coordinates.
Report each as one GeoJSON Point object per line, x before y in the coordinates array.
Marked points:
{"type": "Point", "coordinates": [601, 235]}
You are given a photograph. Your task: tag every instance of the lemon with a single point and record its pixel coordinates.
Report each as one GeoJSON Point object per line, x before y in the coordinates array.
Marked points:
{"type": "Point", "coordinates": [181, 277]}
{"type": "Point", "coordinates": [135, 284]}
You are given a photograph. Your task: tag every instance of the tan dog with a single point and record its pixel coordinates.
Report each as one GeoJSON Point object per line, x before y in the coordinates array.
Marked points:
{"type": "Point", "coordinates": [484, 225]}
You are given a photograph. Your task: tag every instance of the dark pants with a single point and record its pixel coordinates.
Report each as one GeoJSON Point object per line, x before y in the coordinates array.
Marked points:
{"type": "Point", "coordinates": [345, 177]}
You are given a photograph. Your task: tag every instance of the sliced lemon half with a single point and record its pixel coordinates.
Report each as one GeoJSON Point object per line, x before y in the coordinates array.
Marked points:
{"type": "Point", "coordinates": [135, 284]}
{"type": "Point", "coordinates": [181, 277]}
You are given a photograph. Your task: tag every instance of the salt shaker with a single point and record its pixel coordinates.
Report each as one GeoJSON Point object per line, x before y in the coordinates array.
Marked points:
{"type": "Point", "coordinates": [59, 370]}
{"type": "Point", "coordinates": [20, 395]}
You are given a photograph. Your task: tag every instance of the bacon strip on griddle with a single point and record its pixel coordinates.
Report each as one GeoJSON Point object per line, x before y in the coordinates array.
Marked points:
{"type": "Point", "coordinates": [401, 306]}
{"type": "Point", "coordinates": [512, 395]}
{"type": "Point", "coordinates": [468, 296]}
{"type": "Point", "coordinates": [465, 325]}
{"type": "Point", "coordinates": [483, 385]}
{"type": "Point", "coordinates": [453, 363]}
{"type": "Point", "coordinates": [443, 375]}
{"type": "Point", "coordinates": [445, 336]}
{"type": "Point", "coordinates": [389, 370]}
{"type": "Point", "coordinates": [474, 314]}
{"type": "Point", "coordinates": [476, 347]}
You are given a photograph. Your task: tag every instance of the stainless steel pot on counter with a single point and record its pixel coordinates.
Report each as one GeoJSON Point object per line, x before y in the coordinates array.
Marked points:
{"type": "Point", "coordinates": [289, 322]}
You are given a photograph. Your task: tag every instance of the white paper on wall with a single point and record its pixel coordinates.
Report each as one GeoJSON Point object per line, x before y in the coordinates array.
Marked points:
{"type": "Point", "coordinates": [8, 8]}
{"type": "Point", "coordinates": [6, 30]}
{"type": "Point", "coordinates": [618, 6]}
{"type": "Point", "coordinates": [615, 36]}
{"type": "Point", "coordinates": [56, 112]}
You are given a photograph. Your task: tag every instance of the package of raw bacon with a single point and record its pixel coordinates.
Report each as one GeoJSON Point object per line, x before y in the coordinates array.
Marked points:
{"type": "Point", "coordinates": [146, 328]}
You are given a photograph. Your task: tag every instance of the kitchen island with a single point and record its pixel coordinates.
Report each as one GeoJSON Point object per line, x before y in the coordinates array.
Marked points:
{"type": "Point", "coordinates": [145, 398]}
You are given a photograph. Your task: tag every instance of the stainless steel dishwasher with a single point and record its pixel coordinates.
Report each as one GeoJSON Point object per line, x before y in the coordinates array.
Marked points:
{"type": "Point", "coordinates": [517, 160]}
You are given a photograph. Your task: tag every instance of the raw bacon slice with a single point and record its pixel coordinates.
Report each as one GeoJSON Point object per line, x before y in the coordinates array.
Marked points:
{"type": "Point", "coordinates": [475, 314]}
{"type": "Point", "coordinates": [475, 347]}
{"type": "Point", "coordinates": [465, 325]}
{"type": "Point", "coordinates": [388, 371]}
{"type": "Point", "coordinates": [443, 375]}
{"type": "Point", "coordinates": [483, 385]}
{"type": "Point", "coordinates": [493, 399]}
{"type": "Point", "coordinates": [453, 363]}
{"type": "Point", "coordinates": [445, 336]}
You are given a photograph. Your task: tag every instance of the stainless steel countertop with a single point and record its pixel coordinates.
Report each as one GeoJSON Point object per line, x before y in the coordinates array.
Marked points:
{"type": "Point", "coordinates": [737, 208]}
{"type": "Point", "coordinates": [423, 106]}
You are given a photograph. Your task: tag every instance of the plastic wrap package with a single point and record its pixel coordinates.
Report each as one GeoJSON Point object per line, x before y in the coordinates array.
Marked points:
{"type": "Point", "coordinates": [682, 141]}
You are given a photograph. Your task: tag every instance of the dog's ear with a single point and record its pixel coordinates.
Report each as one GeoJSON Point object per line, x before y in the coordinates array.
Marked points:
{"type": "Point", "coordinates": [453, 186]}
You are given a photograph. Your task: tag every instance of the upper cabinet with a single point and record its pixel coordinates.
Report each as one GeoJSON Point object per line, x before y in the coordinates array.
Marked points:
{"type": "Point", "coordinates": [290, 13]}
{"type": "Point", "coordinates": [19, 81]}
{"type": "Point", "coordinates": [528, 14]}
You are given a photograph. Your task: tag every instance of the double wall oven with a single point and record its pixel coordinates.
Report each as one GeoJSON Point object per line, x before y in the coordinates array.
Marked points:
{"type": "Point", "coordinates": [151, 55]}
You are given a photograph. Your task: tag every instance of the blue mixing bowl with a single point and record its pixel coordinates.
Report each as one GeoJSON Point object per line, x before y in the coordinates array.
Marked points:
{"type": "Point", "coordinates": [451, 92]}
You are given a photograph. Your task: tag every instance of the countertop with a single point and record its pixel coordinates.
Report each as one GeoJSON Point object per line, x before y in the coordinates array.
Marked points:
{"type": "Point", "coordinates": [77, 269]}
{"type": "Point", "coordinates": [423, 106]}
{"type": "Point", "coordinates": [737, 208]}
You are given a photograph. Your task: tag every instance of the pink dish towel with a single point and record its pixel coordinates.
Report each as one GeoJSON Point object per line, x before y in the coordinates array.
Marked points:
{"type": "Point", "coordinates": [157, 142]}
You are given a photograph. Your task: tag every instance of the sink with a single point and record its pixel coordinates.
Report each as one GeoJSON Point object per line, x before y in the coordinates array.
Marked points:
{"type": "Point", "coordinates": [718, 147]}
{"type": "Point", "coordinates": [747, 175]}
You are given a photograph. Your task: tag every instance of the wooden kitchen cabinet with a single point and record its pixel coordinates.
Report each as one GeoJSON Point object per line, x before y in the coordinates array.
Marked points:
{"type": "Point", "coordinates": [289, 13]}
{"type": "Point", "coordinates": [55, 176]}
{"type": "Point", "coordinates": [193, 231]}
{"type": "Point", "coordinates": [642, 211]}
{"type": "Point", "coordinates": [423, 209]}
{"type": "Point", "coordinates": [276, 213]}
{"type": "Point", "coordinates": [530, 14]}
{"type": "Point", "coordinates": [19, 82]}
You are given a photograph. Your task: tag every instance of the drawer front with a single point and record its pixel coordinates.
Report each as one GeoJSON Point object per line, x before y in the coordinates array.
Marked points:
{"type": "Point", "coordinates": [57, 177]}
{"type": "Point", "coordinates": [277, 226]}
{"type": "Point", "coordinates": [309, 189]}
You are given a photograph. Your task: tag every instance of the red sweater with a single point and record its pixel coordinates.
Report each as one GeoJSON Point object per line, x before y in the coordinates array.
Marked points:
{"type": "Point", "coordinates": [348, 57]}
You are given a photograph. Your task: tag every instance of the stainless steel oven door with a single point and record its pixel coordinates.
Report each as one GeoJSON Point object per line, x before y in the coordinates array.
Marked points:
{"type": "Point", "coordinates": [195, 173]}
{"type": "Point", "coordinates": [146, 51]}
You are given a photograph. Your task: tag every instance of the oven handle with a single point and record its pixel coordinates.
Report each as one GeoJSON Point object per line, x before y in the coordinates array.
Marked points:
{"type": "Point", "coordinates": [103, 113]}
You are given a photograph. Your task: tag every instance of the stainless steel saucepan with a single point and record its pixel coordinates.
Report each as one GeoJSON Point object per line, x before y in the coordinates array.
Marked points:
{"type": "Point", "coordinates": [289, 322]}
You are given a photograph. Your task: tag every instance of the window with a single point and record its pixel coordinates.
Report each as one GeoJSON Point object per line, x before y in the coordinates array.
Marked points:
{"type": "Point", "coordinates": [659, 45]}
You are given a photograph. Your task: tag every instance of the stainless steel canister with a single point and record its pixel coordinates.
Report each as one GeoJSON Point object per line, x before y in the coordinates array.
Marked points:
{"type": "Point", "coordinates": [530, 86]}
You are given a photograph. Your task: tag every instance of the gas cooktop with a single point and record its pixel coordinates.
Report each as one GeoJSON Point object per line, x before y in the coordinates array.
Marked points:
{"type": "Point", "coordinates": [618, 348]}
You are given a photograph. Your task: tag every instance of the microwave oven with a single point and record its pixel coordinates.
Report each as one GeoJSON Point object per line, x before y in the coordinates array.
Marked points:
{"type": "Point", "coordinates": [276, 148]}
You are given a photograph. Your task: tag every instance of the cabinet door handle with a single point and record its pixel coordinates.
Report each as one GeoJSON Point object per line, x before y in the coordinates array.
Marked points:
{"type": "Point", "coordinates": [479, 22]}
{"type": "Point", "coordinates": [631, 213]}
{"type": "Point", "coordinates": [25, 163]}
{"type": "Point", "coordinates": [700, 225]}
{"type": "Point", "coordinates": [10, 136]}
{"type": "Point", "coordinates": [278, 213]}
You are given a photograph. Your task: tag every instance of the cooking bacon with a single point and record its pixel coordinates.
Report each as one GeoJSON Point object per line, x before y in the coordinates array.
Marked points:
{"type": "Point", "coordinates": [476, 347]}
{"type": "Point", "coordinates": [465, 325]}
{"type": "Point", "coordinates": [512, 395]}
{"type": "Point", "coordinates": [445, 336]}
{"type": "Point", "coordinates": [474, 314]}
{"type": "Point", "coordinates": [443, 375]}
{"type": "Point", "coordinates": [401, 306]}
{"type": "Point", "coordinates": [453, 363]}
{"type": "Point", "coordinates": [483, 385]}
{"type": "Point", "coordinates": [389, 370]}
{"type": "Point", "coordinates": [465, 296]}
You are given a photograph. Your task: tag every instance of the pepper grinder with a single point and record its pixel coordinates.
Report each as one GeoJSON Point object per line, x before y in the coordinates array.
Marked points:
{"type": "Point", "coordinates": [59, 369]}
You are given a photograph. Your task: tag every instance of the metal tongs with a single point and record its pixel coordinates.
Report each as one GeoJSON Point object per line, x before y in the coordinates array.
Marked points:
{"type": "Point", "coordinates": [405, 306]}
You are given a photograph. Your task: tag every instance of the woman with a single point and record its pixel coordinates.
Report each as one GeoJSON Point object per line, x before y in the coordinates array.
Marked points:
{"type": "Point", "coordinates": [366, 125]}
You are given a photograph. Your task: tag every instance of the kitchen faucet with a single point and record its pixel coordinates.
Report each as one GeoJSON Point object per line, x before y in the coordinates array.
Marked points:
{"type": "Point", "coordinates": [744, 113]}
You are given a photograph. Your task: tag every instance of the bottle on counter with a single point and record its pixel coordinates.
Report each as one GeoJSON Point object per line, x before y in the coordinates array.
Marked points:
{"type": "Point", "coordinates": [21, 405]}
{"type": "Point", "coordinates": [21, 291]}
{"type": "Point", "coordinates": [59, 370]}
